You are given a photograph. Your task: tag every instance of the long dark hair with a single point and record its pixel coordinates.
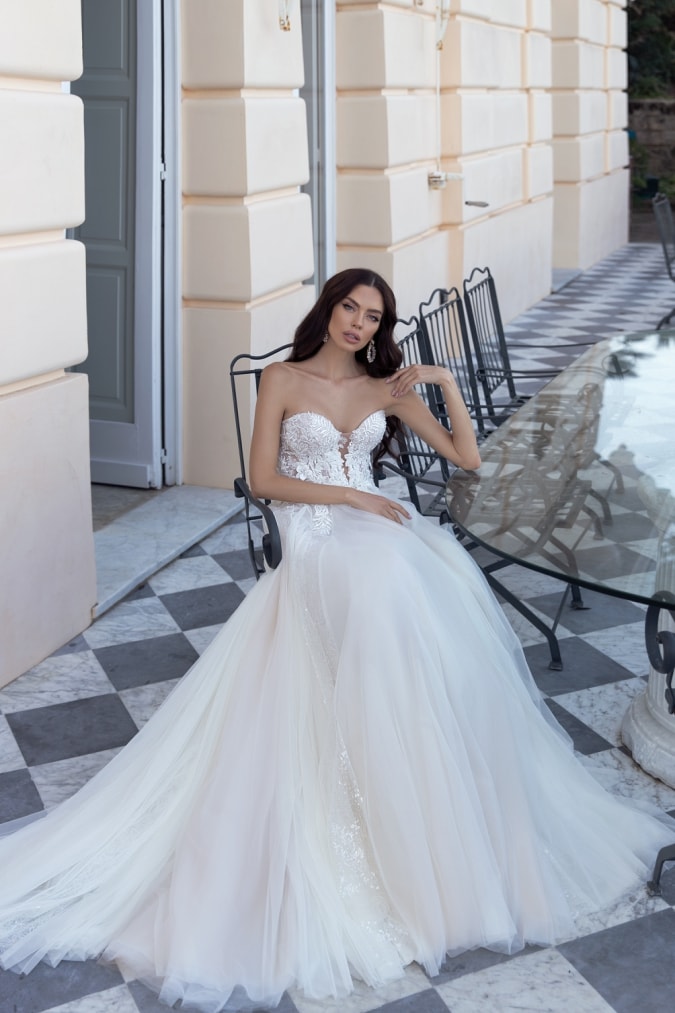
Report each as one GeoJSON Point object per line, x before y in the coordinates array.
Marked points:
{"type": "Point", "coordinates": [309, 335]}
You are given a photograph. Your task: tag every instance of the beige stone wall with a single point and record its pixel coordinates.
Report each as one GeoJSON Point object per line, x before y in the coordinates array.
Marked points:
{"type": "Point", "coordinates": [247, 237]}
{"type": "Point", "coordinates": [495, 131]}
{"type": "Point", "coordinates": [387, 217]}
{"type": "Point", "coordinates": [47, 579]}
{"type": "Point", "coordinates": [590, 145]}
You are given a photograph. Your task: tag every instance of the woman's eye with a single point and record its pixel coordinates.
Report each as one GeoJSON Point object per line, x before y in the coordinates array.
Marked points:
{"type": "Point", "coordinates": [348, 306]}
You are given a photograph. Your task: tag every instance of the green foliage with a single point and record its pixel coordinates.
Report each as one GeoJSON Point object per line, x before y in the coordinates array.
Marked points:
{"type": "Point", "coordinates": [639, 164]}
{"type": "Point", "coordinates": [651, 48]}
{"type": "Point", "coordinates": [667, 186]}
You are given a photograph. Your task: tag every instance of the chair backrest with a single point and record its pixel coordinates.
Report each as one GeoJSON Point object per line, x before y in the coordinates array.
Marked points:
{"type": "Point", "coordinates": [416, 456]}
{"type": "Point", "coordinates": [264, 544]}
{"type": "Point", "coordinates": [664, 223]}
{"type": "Point", "coordinates": [446, 343]}
{"type": "Point", "coordinates": [245, 371]}
{"type": "Point", "coordinates": [493, 366]}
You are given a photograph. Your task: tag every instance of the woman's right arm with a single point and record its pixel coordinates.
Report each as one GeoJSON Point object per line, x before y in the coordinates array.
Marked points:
{"type": "Point", "coordinates": [265, 480]}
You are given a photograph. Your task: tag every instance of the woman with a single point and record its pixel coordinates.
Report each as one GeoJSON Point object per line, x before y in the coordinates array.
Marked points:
{"type": "Point", "coordinates": [358, 772]}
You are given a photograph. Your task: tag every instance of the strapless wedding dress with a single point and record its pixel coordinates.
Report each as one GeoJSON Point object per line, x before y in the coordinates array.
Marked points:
{"type": "Point", "coordinates": [357, 773]}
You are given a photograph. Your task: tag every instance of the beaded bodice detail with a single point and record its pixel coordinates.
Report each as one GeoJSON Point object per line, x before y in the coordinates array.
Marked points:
{"type": "Point", "coordinates": [313, 450]}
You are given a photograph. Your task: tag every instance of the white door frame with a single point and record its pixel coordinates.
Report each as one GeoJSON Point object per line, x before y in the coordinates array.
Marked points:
{"type": "Point", "coordinates": [172, 457]}
{"type": "Point", "coordinates": [319, 93]}
{"type": "Point", "coordinates": [153, 439]}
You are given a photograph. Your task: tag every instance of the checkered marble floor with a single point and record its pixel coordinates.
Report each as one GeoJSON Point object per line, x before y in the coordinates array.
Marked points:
{"type": "Point", "coordinates": [63, 720]}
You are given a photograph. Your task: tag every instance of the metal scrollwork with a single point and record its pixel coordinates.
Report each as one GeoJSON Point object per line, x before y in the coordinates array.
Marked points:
{"type": "Point", "coordinates": [661, 649]}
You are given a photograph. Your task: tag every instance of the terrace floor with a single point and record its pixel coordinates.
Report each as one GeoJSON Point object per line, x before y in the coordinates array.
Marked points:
{"type": "Point", "coordinates": [63, 720]}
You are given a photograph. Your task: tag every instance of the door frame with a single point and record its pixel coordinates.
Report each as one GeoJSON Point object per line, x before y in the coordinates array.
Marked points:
{"type": "Point", "coordinates": [171, 299]}
{"type": "Point", "coordinates": [157, 302]}
{"type": "Point", "coordinates": [319, 94]}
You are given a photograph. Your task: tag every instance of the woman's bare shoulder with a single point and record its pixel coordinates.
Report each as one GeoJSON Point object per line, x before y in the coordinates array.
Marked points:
{"type": "Point", "coordinates": [278, 373]}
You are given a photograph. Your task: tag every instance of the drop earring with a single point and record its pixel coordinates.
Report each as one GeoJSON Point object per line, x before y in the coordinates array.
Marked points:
{"type": "Point", "coordinates": [325, 338]}
{"type": "Point", "coordinates": [371, 351]}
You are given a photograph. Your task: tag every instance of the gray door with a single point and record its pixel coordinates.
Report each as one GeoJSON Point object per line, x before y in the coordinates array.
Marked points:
{"type": "Point", "coordinates": [121, 91]}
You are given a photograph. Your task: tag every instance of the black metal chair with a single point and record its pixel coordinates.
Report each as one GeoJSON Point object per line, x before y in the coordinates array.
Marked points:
{"type": "Point", "coordinates": [446, 343]}
{"type": "Point", "coordinates": [264, 542]}
{"type": "Point", "coordinates": [417, 461]}
{"type": "Point", "coordinates": [493, 363]}
{"type": "Point", "coordinates": [663, 213]}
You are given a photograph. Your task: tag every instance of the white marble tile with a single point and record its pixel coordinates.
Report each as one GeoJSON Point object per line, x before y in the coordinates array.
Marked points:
{"type": "Point", "coordinates": [129, 621]}
{"type": "Point", "coordinates": [201, 637]}
{"type": "Point", "coordinates": [229, 538]}
{"type": "Point", "coordinates": [525, 631]}
{"type": "Point", "coordinates": [143, 540]}
{"type": "Point", "coordinates": [143, 701]}
{"type": "Point", "coordinates": [11, 757]}
{"type": "Point", "coordinates": [528, 583]}
{"type": "Point", "coordinates": [602, 708]}
{"type": "Point", "coordinates": [646, 547]}
{"type": "Point", "coordinates": [637, 904]}
{"type": "Point", "coordinates": [247, 584]}
{"type": "Point", "coordinates": [363, 999]}
{"type": "Point", "coordinates": [59, 780]}
{"type": "Point", "coordinates": [187, 574]}
{"type": "Point", "coordinates": [620, 775]}
{"type": "Point", "coordinates": [112, 1000]}
{"type": "Point", "coordinates": [59, 679]}
{"type": "Point", "coordinates": [624, 644]}
{"type": "Point", "coordinates": [542, 981]}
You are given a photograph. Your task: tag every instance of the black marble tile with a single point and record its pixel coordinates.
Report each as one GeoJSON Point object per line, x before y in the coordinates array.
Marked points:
{"type": "Point", "coordinates": [46, 987]}
{"type": "Point", "coordinates": [583, 667]}
{"type": "Point", "coordinates": [18, 795]}
{"type": "Point", "coordinates": [612, 560]}
{"type": "Point", "coordinates": [630, 965]}
{"type": "Point", "coordinates": [145, 999]}
{"type": "Point", "coordinates": [64, 730]}
{"type": "Point", "coordinates": [78, 643]}
{"type": "Point", "coordinates": [585, 740]}
{"type": "Point", "coordinates": [204, 606]}
{"type": "Point", "coordinates": [236, 564]}
{"type": "Point", "coordinates": [667, 881]}
{"type": "Point", "coordinates": [428, 1001]}
{"type": "Point", "coordinates": [142, 591]}
{"type": "Point", "coordinates": [629, 527]}
{"type": "Point", "coordinates": [600, 611]}
{"type": "Point", "coordinates": [629, 499]}
{"type": "Point", "coordinates": [194, 550]}
{"type": "Point", "coordinates": [141, 662]}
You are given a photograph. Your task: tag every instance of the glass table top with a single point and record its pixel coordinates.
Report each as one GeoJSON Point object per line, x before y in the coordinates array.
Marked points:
{"type": "Point", "coordinates": [580, 481]}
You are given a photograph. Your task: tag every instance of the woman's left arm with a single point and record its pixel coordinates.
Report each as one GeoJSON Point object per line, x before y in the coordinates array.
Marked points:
{"type": "Point", "coordinates": [459, 445]}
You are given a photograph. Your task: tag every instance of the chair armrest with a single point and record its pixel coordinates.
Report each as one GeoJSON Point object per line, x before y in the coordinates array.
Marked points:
{"type": "Point", "coordinates": [412, 478]}
{"type": "Point", "coordinates": [271, 539]}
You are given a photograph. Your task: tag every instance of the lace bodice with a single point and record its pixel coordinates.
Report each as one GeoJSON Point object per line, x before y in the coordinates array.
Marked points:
{"type": "Point", "coordinates": [313, 450]}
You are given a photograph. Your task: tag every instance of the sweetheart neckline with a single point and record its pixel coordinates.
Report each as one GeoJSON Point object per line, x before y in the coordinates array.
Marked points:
{"type": "Point", "coordinates": [319, 415]}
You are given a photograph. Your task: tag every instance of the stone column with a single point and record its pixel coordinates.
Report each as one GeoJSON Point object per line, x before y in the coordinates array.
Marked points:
{"type": "Point", "coordinates": [247, 237]}
{"type": "Point", "coordinates": [47, 571]}
{"type": "Point", "coordinates": [590, 143]}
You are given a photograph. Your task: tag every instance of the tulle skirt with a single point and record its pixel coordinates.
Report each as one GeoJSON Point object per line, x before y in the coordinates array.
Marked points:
{"type": "Point", "coordinates": [357, 773]}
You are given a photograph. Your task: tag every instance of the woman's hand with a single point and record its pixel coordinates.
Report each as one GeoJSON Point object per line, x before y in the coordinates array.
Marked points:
{"type": "Point", "coordinates": [405, 379]}
{"type": "Point", "coordinates": [374, 504]}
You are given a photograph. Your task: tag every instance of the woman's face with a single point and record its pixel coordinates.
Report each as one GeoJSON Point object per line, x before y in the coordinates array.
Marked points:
{"type": "Point", "coordinates": [356, 318]}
